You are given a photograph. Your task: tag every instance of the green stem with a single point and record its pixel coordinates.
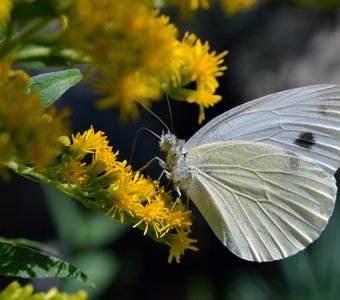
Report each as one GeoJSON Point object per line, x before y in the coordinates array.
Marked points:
{"type": "Point", "coordinates": [70, 55]}
{"type": "Point", "coordinates": [34, 175]}
{"type": "Point", "coordinates": [74, 192]}
{"type": "Point", "coordinates": [22, 37]}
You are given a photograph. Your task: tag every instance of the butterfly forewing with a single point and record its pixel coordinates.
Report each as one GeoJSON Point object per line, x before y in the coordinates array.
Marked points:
{"type": "Point", "coordinates": [262, 202]}
{"type": "Point", "coordinates": [304, 121]}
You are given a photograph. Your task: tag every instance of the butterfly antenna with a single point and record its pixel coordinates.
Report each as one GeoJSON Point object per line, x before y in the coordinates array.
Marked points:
{"type": "Point", "coordinates": [170, 113]}
{"type": "Point", "coordinates": [136, 137]}
{"type": "Point", "coordinates": [151, 112]}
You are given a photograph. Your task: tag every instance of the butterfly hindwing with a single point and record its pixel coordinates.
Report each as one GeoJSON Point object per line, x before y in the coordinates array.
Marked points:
{"type": "Point", "coordinates": [262, 202]}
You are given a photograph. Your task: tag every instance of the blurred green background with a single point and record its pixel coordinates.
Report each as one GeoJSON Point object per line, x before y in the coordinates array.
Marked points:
{"type": "Point", "coordinates": [273, 46]}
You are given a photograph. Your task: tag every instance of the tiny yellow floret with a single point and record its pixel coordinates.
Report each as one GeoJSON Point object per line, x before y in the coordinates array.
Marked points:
{"type": "Point", "coordinates": [178, 244]}
{"type": "Point", "coordinates": [14, 291]}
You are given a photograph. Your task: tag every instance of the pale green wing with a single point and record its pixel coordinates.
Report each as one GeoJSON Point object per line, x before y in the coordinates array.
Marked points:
{"type": "Point", "coordinates": [262, 202]}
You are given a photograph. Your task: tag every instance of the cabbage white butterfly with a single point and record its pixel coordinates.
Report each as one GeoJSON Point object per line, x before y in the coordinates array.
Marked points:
{"type": "Point", "coordinates": [261, 174]}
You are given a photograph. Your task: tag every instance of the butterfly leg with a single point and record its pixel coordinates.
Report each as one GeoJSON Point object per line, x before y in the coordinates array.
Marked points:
{"type": "Point", "coordinates": [161, 162]}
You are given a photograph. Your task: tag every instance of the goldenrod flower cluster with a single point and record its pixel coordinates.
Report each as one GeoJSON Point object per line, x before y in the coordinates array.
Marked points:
{"type": "Point", "coordinates": [89, 171]}
{"type": "Point", "coordinates": [202, 67]}
{"type": "Point", "coordinates": [230, 7]}
{"type": "Point", "coordinates": [28, 133]}
{"type": "Point", "coordinates": [135, 55]}
{"type": "Point", "coordinates": [14, 291]}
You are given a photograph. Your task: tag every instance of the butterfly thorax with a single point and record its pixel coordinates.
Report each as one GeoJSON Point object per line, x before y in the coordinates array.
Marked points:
{"type": "Point", "coordinates": [175, 157]}
{"type": "Point", "coordinates": [171, 146]}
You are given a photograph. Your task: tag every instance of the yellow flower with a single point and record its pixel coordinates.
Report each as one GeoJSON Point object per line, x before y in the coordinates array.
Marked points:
{"type": "Point", "coordinates": [17, 292]}
{"type": "Point", "coordinates": [106, 155]}
{"type": "Point", "coordinates": [188, 7]}
{"type": "Point", "coordinates": [89, 159]}
{"type": "Point", "coordinates": [135, 56]}
{"type": "Point", "coordinates": [179, 216]}
{"type": "Point", "coordinates": [88, 142]}
{"type": "Point", "coordinates": [95, 177]}
{"type": "Point", "coordinates": [156, 39]}
{"type": "Point", "coordinates": [204, 98]}
{"type": "Point", "coordinates": [74, 172]}
{"type": "Point", "coordinates": [29, 132]}
{"type": "Point", "coordinates": [203, 68]}
{"type": "Point", "coordinates": [132, 51]}
{"type": "Point", "coordinates": [195, 4]}
{"type": "Point", "coordinates": [126, 91]}
{"type": "Point", "coordinates": [127, 194]}
{"type": "Point", "coordinates": [5, 11]}
{"type": "Point", "coordinates": [153, 213]}
{"type": "Point", "coordinates": [178, 244]}
{"type": "Point", "coordinates": [232, 7]}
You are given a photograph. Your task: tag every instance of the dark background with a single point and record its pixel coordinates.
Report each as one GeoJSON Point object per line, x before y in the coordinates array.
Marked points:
{"type": "Point", "coordinates": [272, 47]}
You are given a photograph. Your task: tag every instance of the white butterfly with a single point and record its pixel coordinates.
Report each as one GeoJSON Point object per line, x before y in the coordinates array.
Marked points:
{"type": "Point", "coordinates": [261, 174]}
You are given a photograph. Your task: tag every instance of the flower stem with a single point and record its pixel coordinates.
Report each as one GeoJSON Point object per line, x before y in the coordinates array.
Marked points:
{"type": "Point", "coordinates": [22, 37]}
{"type": "Point", "coordinates": [34, 175]}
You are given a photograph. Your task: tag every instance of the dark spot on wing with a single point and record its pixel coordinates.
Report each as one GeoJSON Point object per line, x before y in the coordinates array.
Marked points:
{"type": "Point", "coordinates": [323, 110]}
{"type": "Point", "coordinates": [293, 161]}
{"type": "Point", "coordinates": [305, 140]}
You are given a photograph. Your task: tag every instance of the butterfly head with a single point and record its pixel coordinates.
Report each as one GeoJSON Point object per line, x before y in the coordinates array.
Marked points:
{"type": "Point", "coordinates": [167, 142]}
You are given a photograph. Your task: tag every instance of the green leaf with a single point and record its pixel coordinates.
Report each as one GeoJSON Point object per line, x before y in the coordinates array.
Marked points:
{"type": "Point", "coordinates": [46, 53]}
{"type": "Point", "coordinates": [41, 62]}
{"type": "Point", "coordinates": [24, 262]}
{"type": "Point", "coordinates": [102, 265]}
{"type": "Point", "coordinates": [39, 56]}
{"type": "Point", "coordinates": [179, 94]}
{"type": "Point", "coordinates": [31, 244]}
{"type": "Point", "coordinates": [52, 85]}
